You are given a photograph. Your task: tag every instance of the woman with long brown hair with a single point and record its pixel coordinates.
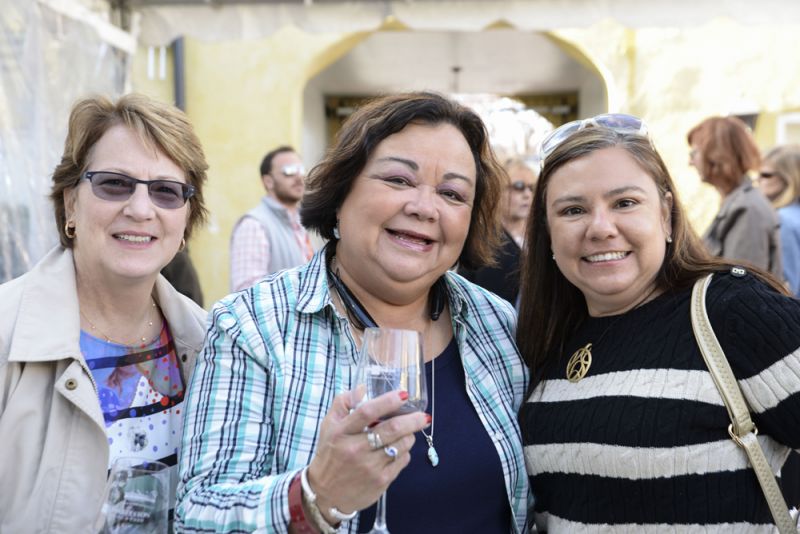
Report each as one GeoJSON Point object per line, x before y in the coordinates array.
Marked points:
{"type": "Point", "coordinates": [624, 429]}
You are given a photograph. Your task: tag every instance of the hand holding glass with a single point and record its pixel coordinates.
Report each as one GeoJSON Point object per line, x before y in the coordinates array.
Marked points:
{"type": "Point", "coordinates": [392, 360]}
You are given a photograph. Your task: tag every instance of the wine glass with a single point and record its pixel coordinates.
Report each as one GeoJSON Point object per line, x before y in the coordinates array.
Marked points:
{"type": "Point", "coordinates": [136, 498]}
{"type": "Point", "coordinates": [392, 360]}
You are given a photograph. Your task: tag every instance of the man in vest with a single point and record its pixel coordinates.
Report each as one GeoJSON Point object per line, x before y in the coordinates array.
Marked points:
{"type": "Point", "coordinates": [269, 237]}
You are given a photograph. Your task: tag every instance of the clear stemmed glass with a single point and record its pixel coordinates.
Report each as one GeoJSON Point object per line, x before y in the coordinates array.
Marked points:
{"type": "Point", "coordinates": [392, 360]}
{"type": "Point", "coordinates": [136, 498]}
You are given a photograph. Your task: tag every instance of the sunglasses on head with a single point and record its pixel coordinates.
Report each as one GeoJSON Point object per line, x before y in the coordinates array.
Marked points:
{"type": "Point", "coordinates": [618, 122]}
{"type": "Point", "coordinates": [293, 170]}
{"type": "Point", "coordinates": [117, 187]}
{"type": "Point", "coordinates": [520, 186]}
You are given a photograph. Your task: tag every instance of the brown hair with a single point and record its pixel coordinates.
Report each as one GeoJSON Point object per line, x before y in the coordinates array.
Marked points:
{"type": "Point", "coordinates": [728, 150]}
{"type": "Point", "coordinates": [551, 307]}
{"type": "Point", "coordinates": [330, 181]}
{"type": "Point", "coordinates": [785, 160]}
{"type": "Point", "coordinates": [158, 125]}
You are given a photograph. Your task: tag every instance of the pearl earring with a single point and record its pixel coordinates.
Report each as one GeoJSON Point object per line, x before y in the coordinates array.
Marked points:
{"type": "Point", "coordinates": [669, 239]}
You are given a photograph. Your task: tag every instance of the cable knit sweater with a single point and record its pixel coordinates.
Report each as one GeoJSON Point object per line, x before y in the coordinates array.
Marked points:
{"type": "Point", "coordinates": [641, 443]}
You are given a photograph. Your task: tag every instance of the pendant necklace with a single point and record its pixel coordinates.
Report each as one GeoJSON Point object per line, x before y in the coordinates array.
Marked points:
{"type": "Point", "coordinates": [581, 360]}
{"type": "Point", "coordinates": [433, 456]}
{"type": "Point", "coordinates": [109, 339]}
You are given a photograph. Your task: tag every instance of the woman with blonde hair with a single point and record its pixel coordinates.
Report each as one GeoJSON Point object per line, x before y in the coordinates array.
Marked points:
{"type": "Point", "coordinates": [96, 347]}
{"type": "Point", "coordinates": [779, 179]}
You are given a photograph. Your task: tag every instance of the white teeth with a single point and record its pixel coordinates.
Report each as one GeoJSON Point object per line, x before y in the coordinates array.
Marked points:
{"type": "Point", "coordinates": [134, 238]}
{"type": "Point", "coordinates": [606, 256]}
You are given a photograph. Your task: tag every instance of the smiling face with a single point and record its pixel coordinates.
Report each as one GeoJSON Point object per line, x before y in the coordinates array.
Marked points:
{"type": "Point", "coordinates": [118, 242]}
{"type": "Point", "coordinates": [406, 218]}
{"type": "Point", "coordinates": [608, 225]}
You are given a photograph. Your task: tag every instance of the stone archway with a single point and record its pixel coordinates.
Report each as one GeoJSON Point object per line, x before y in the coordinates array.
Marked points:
{"type": "Point", "coordinates": [546, 72]}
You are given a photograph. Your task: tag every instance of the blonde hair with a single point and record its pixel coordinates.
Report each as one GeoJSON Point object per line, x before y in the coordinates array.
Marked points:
{"type": "Point", "coordinates": [785, 160]}
{"type": "Point", "coordinates": [158, 125]}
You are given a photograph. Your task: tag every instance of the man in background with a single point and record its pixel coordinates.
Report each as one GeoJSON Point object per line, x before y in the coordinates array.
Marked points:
{"type": "Point", "coordinates": [269, 237]}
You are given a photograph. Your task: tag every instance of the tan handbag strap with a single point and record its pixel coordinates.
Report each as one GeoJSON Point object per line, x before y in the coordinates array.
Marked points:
{"type": "Point", "coordinates": [741, 429]}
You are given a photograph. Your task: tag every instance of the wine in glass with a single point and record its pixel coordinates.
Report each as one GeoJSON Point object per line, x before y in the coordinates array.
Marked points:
{"type": "Point", "coordinates": [392, 360]}
{"type": "Point", "coordinates": [136, 498]}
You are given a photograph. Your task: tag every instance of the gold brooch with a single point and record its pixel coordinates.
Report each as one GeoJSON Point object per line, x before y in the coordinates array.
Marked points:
{"type": "Point", "coordinates": [579, 364]}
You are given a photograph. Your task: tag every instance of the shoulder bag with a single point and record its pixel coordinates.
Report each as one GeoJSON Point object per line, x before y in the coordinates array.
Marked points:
{"type": "Point", "coordinates": [742, 430]}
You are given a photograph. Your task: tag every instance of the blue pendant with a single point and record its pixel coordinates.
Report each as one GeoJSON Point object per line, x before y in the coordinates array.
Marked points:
{"type": "Point", "coordinates": [433, 456]}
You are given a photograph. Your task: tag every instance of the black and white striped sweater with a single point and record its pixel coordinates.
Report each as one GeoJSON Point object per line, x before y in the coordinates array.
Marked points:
{"type": "Point", "coordinates": [641, 443]}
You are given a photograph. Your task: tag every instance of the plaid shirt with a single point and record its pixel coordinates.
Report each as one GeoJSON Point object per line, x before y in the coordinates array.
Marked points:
{"type": "Point", "coordinates": [250, 250]}
{"type": "Point", "coordinates": [275, 357]}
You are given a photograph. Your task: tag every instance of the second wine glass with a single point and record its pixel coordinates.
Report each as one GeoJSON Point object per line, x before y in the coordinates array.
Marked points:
{"type": "Point", "coordinates": [392, 360]}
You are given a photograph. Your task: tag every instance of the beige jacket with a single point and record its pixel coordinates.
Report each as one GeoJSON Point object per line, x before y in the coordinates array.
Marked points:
{"type": "Point", "coordinates": [53, 445]}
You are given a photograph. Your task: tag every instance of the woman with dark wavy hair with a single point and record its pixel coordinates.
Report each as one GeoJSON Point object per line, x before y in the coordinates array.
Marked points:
{"type": "Point", "coordinates": [624, 429]}
{"type": "Point", "coordinates": [274, 440]}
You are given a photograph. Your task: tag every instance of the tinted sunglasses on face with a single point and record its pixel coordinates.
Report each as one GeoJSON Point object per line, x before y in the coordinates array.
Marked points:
{"type": "Point", "coordinates": [293, 170]}
{"type": "Point", "coordinates": [117, 187]}
{"type": "Point", "coordinates": [618, 122]}
{"type": "Point", "coordinates": [521, 186]}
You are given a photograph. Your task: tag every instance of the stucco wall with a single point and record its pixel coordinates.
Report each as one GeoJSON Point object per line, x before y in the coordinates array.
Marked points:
{"type": "Point", "coordinates": [246, 97]}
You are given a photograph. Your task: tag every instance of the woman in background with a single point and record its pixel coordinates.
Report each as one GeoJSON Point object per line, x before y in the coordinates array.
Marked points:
{"type": "Point", "coordinates": [503, 278]}
{"type": "Point", "coordinates": [96, 347]}
{"type": "Point", "coordinates": [746, 227]}
{"type": "Point", "coordinates": [779, 179]}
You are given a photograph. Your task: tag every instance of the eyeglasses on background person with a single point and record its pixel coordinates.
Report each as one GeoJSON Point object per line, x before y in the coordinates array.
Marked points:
{"type": "Point", "coordinates": [618, 122]}
{"type": "Point", "coordinates": [293, 170]}
{"type": "Point", "coordinates": [116, 187]}
{"type": "Point", "coordinates": [521, 186]}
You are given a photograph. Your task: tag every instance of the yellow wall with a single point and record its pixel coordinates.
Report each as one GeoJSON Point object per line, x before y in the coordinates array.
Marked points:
{"type": "Point", "coordinates": [245, 97]}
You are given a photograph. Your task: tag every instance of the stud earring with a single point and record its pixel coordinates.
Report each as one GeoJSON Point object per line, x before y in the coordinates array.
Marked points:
{"type": "Point", "coordinates": [554, 255]}
{"type": "Point", "coordinates": [669, 239]}
{"type": "Point", "coordinates": [69, 230]}
{"type": "Point", "coordinates": [336, 233]}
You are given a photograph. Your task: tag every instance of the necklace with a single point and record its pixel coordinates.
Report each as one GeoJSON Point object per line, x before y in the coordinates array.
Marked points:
{"type": "Point", "coordinates": [433, 456]}
{"type": "Point", "coordinates": [361, 319]}
{"type": "Point", "coordinates": [107, 337]}
{"type": "Point", "coordinates": [581, 360]}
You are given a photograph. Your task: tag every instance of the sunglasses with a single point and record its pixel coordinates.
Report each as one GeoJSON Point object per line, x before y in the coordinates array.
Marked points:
{"type": "Point", "coordinates": [117, 187]}
{"type": "Point", "coordinates": [293, 170]}
{"type": "Point", "coordinates": [520, 186]}
{"type": "Point", "coordinates": [766, 175]}
{"type": "Point", "coordinates": [618, 122]}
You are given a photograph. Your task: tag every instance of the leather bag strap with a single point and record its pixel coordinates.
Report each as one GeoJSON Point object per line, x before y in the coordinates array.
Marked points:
{"type": "Point", "coordinates": [742, 430]}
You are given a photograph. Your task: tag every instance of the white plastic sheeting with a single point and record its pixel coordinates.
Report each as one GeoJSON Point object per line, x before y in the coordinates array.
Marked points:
{"type": "Point", "coordinates": [51, 53]}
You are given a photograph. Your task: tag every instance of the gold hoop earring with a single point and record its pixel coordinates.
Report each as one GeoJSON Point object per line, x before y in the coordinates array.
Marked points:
{"type": "Point", "coordinates": [69, 225]}
{"type": "Point", "coordinates": [183, 244]}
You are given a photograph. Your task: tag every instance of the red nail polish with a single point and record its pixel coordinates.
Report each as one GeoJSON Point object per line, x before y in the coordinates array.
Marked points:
{"type": "Point", "coordinates": [428, 418]}
{"type": "Point", "coordinates": [373, 424]}
{"type": "Point", "coordinates": [403, 395]}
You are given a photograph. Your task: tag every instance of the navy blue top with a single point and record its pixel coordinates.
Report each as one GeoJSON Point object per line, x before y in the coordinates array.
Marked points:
{"type": "Point", "coordinates": [466, 491]}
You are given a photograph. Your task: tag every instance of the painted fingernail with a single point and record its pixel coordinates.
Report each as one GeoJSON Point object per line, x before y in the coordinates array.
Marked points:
{"type": "Point", "coordinates": [403, 395]}
{"type": "Point", "coordinates": [373, 424]}
{"type": "Point", "coordinates": [428, 418]}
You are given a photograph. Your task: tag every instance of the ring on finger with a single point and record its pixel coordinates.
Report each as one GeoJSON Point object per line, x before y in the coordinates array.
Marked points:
{"type": "Point", "coordinates": [391, 452]}
{"type": "Point", "coordinates": [374, 440]}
